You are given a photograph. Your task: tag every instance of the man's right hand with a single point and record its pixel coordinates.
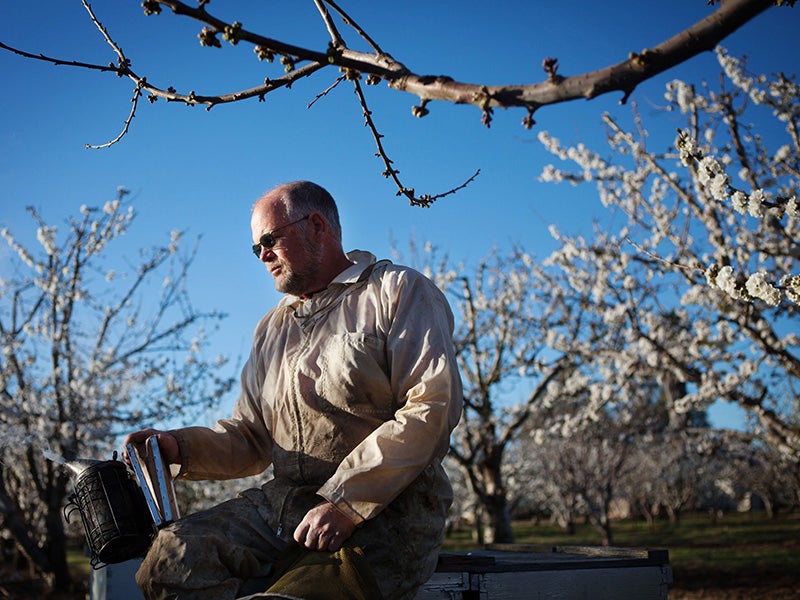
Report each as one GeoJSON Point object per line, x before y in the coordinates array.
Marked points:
{"type": "Point", "coordinates": [167, 444]}
{"type": "Point", "coordinates": [324, 527]}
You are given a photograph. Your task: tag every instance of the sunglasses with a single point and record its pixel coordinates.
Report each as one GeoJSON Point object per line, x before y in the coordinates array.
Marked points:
{"type": "Point", "coordinates": [268, 240]}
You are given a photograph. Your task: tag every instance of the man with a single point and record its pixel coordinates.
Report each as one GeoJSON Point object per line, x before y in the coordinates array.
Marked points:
{"type": "Point", "coordinates": [351, 392]}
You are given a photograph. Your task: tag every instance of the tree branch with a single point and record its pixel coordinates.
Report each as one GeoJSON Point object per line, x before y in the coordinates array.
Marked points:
{"type": "Point", "coordinates": [623, 77]}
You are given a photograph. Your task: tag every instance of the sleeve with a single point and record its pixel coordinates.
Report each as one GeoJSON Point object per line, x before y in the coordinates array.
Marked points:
{"type": "Point", "coordinates": [236, 447]}
{"type": "Point", "coordinates": [427, 388]}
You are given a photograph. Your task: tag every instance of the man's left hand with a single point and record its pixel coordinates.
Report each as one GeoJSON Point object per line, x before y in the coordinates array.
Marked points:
{"type": "Point", "coordinates": [324, 527]}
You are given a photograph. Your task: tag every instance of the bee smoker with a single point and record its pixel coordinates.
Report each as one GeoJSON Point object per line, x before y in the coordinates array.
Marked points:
{"type": "Point", "coordinates": [113, 511]}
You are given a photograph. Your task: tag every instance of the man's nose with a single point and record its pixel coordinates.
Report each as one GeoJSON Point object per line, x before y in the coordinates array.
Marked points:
{"type": "Point", "coordinates": [267, 255]}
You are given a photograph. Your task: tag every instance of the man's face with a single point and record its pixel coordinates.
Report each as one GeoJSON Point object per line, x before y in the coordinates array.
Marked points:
{"type": "Point", "coordinates": [294, 261]}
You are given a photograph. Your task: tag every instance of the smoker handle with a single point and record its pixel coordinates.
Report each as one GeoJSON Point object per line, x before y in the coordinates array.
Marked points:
{"type": "Point", "coordinates": [148, 494]}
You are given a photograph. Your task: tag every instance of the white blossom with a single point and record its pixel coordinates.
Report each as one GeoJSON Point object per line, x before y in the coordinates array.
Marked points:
{"type": "Point", "coordinates": [746, 369]}
{"type": "Point", "coordinates": [175, 236]}
{"type": "Point", "coordinates": [719, 187]}
{"type": "Point", "coordinates": [687, 146]}
{"type": "Point", "coordinates": [681, 94]}
{"type": "Point", "coordinates": [792, 208]}
{"type": "Point", "coordinates": [758, 287]}
{"type": "Point", "coordinates": [21, 251]}
{"type": "Point", "coordinates": [744, 174]}
{"type": "Point", "coordinates": [724, 279]}
{"type": "Point", "coordinates": [47, 238]}
{"type": "Point", "coordinates": [783, 153]}
{"type": "Point", "coordinates": [791, 285]}
{"type": "Point", "coordinates": [708, 169]}
{"type": "Point", "coordinates": [755, 203]}
{"type": "Point", "coordinates": [740, 202]}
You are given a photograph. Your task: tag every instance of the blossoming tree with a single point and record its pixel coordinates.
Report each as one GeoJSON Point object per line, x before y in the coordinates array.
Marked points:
{"type": "Point", "coordinates": [702, 282]}
{"type": "Point", "coordinates": [693, 300]}
{"type": "Point", "coordinates": [504, 310]}
{"type": "Point", "coordinates": [89, 349]}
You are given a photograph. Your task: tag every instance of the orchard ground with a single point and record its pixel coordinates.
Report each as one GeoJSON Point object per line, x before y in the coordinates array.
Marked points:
{"type": "Point", "coordinates": [735, 556]}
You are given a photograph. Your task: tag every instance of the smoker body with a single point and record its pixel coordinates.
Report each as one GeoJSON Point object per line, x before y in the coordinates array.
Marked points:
{"type": "Point", "coordinates": [113, 511]}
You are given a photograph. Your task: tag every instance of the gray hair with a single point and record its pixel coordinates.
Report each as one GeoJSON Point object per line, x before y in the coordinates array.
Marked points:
{"type": "Point", "coordinates": [301, 198]}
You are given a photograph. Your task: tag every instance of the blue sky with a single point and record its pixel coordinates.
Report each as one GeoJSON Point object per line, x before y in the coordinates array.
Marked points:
{"type": "Point", "coordinates": [199, 171]}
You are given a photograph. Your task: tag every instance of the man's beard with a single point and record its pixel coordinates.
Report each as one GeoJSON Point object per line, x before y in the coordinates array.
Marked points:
{"type": "Point", "coordinates": [300, 281]}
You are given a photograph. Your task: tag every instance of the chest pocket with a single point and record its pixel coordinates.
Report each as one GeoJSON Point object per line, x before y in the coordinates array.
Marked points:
{"type": "Point", "coordinates": [354, 376]}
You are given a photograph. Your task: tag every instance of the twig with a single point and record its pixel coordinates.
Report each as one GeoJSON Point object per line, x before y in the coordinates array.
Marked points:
{"type": "Point", "coordinates": [325, 92]}
{"type": "Point", "coordinates": [348, 20]}
{"type": "Point", "coordinates": [660, 259]}
{"type": "Point", "coordinates": [336, 38]}
{"type": "Point", "coordinates": [134, 103]}
{"type": "Point", "coordinates": [60, 62]}
{"type": "Point", "coordinates": [455, 189]}
{"type": "Point", "coordinates": [123, 62]}
{"type": "Point", "coordinates": [425, 200]}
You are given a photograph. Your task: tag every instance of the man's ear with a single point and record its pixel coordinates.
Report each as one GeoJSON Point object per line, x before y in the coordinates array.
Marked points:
{"type": "Point", "coordinates": [317, 224]}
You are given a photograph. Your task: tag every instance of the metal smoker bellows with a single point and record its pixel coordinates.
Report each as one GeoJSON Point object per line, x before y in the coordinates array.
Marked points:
{"type": "Point", "coordinates": [113, 510]}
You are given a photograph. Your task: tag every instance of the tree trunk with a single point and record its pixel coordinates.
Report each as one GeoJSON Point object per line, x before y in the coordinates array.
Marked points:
{"type": "Point", "coordinates": [486, 480]}
{"type": "Point", "coordinates": [768, 506]}
{"type": "Point", "coordinates": [647, 512]}
{"type": "Point", "coordinates": [603, 525]}
{"type": "Point", "coordinates": [498, 527]}
{"type": "Point", "coordinates": [478, 532]}
{"type": "Point", "coordinates": [674, 515]}
{"type": "Point", "coordinates": [57, 552]}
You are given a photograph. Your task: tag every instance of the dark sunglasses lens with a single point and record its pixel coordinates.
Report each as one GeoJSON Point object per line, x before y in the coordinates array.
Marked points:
{"type": "Point", "coordinates": [266, 241]}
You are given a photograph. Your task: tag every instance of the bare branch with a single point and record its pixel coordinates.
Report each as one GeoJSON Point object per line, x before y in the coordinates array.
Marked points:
{"type": "Point", "coordinates": [349, 21]}
{"type": "Point", "coordinates": [623, 77]}
{"type": "Point", "coordinates": [61, 62]}
{"type": "Point", "coordinates": [126, 126]}
{"type": "Point", "coordinates": [336, 38]}
{"type": "Point", "coordinates": [425, 200]}
{"type": "Point", "coordinates": [326, 91]}
{"type": "Point", "coordinates": [122, 60]}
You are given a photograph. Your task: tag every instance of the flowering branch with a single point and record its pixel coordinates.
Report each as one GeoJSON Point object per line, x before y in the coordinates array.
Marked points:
{"type": "Point", "coordinates": [712, 176]}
